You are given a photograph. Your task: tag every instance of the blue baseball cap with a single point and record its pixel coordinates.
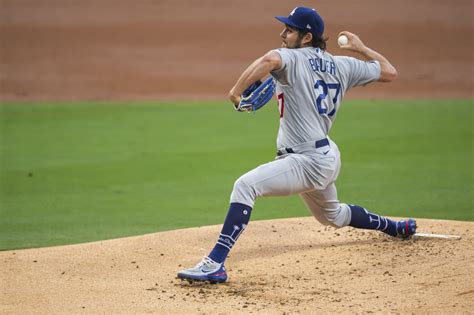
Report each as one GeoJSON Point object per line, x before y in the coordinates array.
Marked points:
{"type": "Point", "coordinates": [305, 19]}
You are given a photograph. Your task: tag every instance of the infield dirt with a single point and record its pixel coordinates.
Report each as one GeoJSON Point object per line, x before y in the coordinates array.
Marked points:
{"type": "Point", "coordinates": [278, 266]}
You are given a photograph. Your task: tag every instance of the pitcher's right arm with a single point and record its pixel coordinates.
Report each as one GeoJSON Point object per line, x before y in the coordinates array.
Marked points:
{"type": "Point", "coordinates": [388, 72]}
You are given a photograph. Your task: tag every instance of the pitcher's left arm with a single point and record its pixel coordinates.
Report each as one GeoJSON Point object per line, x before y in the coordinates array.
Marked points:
{"type": "Point", "coordinates": [259, 69]}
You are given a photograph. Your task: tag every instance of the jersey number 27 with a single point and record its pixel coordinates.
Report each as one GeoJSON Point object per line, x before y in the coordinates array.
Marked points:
{"type": "Point", "coordinates": [322, 108]}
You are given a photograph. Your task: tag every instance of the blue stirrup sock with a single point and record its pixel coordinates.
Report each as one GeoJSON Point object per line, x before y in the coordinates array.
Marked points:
{"type": "Point", "coordinates": [235, 223]}
{"type": "Point", "coordinates": [363, 219]}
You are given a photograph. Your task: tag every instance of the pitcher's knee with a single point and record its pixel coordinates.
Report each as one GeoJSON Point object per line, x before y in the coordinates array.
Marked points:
{"type": "Point", "coordinates": [339, 217]}
{"type": "Point", "coordinates": [243, 192]}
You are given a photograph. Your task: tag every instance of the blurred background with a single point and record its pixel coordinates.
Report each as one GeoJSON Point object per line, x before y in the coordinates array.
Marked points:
{"type": "Point", "coordinates": [183, 49]}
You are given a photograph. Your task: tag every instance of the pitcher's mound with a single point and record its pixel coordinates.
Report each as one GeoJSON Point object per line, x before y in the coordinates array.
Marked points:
{"type": "Point", "coordinates": [292, 265]}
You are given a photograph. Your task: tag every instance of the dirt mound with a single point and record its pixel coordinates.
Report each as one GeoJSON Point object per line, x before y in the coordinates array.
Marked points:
{"type": "Point", "coordinates": [293, 265]}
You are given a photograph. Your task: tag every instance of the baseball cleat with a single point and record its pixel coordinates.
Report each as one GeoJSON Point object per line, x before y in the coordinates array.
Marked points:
{"type": "Point", "coordinates": [406, 228]}
{"type": "Point", "coordinates": [206, 270]}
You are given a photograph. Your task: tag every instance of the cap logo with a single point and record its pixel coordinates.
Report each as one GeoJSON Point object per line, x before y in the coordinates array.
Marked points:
{"type": "Point", "coordinates": [293, 12]}
{"type": "Point", "coordinates": [308, 26]}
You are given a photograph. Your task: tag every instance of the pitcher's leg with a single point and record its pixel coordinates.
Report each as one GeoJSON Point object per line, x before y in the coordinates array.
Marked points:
{"type": "Point", "coordinates": [363, 219]}
{"type": "Point", "coordinates": [326, 208]}
{"type": "Point", "coordinates": [280, 177]}
{"type": "Point", "coordinates": [277, 178]}
{"type": "Point", "coordinates": [235, 223]}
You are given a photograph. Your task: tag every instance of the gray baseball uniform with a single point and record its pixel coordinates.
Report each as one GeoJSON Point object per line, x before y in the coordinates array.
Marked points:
{"type": "Point", "coordinates": [311, 84]}
{"type": "Point", "coordinates": [310, 87]}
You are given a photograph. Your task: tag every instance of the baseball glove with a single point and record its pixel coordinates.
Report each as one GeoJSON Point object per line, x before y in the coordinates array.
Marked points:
{"type": "Point", "coordinates": [256, 95]}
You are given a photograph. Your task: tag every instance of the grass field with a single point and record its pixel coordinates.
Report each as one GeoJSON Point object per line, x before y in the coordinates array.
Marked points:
{"type": "Point", "coordinates": [77, 172]}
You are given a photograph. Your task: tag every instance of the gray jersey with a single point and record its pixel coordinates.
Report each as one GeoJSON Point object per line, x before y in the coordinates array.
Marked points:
{"type": "Point", "coordinates": [310, 87]}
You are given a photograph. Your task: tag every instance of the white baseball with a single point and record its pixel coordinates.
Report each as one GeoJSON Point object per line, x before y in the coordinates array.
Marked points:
{"type": "Point", "coordinates": [342, 40]}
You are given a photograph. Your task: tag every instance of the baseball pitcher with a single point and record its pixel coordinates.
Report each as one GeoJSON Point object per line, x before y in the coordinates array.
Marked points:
{"type": "Point", "coordinates": [310, 84]}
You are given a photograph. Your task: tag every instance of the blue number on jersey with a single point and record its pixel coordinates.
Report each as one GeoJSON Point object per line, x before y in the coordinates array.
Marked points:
{"type": "Point", "coordinates": [322, 109]}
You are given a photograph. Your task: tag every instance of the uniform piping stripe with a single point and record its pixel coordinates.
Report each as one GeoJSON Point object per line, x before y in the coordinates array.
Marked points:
{"type": "Point", "coordinates": [225, 245]}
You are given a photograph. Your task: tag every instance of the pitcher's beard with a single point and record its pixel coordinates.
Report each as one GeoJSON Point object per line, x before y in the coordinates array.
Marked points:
{"type": "Point", "coordinates": [299, 44]}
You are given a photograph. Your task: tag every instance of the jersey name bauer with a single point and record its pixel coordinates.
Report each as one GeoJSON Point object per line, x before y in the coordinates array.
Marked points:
{"type": "Point", "coordinates": [310, 87]}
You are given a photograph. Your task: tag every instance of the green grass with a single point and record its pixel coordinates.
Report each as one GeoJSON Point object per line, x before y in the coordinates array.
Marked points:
{"type": "Point", "coordinates": [76, 172]}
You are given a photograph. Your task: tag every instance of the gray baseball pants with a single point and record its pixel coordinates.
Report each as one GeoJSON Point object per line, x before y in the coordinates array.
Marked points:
{"type": "Point", "coordinates": [311, 173]}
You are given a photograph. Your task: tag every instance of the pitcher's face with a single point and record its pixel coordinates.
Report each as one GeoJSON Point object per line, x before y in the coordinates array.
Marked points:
{"type": "Point", "coordinates": [290, 38]}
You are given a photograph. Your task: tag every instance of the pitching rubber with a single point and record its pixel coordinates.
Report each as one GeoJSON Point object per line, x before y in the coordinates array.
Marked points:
{"type": "Point", "coordinates": [442, 236]}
